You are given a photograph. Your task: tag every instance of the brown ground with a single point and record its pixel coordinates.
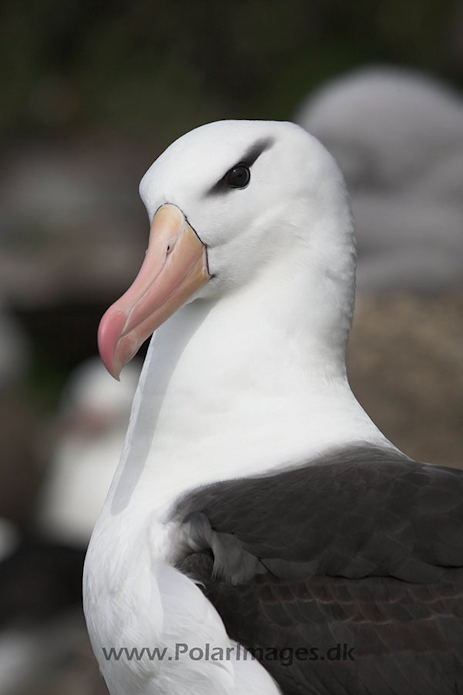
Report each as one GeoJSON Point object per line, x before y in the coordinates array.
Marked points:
{"type": "Point", "coordinates": [405, 362]}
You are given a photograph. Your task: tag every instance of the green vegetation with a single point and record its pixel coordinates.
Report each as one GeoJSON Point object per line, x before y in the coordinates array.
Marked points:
{"type": "Point", "coordinates": [160, 67]}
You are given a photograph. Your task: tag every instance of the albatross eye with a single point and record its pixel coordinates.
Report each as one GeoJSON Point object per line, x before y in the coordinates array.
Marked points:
{"type": "Point", "coordinates": [239, 176]}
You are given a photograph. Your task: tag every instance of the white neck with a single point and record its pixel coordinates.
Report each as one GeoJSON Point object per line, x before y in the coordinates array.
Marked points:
{"type": "Point", "coordinates": [243, 385]}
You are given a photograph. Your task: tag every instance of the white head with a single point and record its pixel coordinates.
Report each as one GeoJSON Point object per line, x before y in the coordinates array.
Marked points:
{"type": "Point", "coordinates": [252, 235]}
{"type": "Point", "coordinates": [282, 215]}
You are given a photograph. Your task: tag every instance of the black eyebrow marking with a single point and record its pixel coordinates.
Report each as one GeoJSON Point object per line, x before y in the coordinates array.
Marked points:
{"type": "Point", "coordinates": [247, 159]}
{"type": "Point", "coordinates": [256, 150]}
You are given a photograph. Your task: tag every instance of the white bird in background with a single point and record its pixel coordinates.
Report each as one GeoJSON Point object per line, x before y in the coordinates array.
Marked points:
{"type": "Point", "coordinates": [398, 138]}
{"type": "Point", "coordinates": [94, 415]}
{"type": "Point", "coordinates": [41, 624]}
{"type": "Point", "coordinates": [256, 506]}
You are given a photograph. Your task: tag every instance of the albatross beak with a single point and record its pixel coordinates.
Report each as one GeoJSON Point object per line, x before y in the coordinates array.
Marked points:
{"type": "Point", "coordinates": [175, 266]}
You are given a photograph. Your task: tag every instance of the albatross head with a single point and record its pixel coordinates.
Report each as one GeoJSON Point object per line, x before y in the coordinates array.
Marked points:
{"type": "Point", "coordinates": [230, 203]}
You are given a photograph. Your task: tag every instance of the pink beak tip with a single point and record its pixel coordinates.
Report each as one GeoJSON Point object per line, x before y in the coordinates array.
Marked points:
{"type": "Point", "coordinates": [109, 332]}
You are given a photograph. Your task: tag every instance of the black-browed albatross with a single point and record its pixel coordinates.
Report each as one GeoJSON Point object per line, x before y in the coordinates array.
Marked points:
{"type": "Point", "coordinates": [255, 504]}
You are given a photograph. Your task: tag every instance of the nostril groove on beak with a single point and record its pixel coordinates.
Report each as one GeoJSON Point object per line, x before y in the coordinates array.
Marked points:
{"type": "Point", "coordinates": [171, 244]}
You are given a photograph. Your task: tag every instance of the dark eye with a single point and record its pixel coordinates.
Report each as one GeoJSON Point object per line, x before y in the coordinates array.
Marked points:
{"type": "Point", "coordinates": [239, 176]}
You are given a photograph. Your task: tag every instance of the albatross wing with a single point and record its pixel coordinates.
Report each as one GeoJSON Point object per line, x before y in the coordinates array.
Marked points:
{"type": "Point", "coordinates": [342, 576]}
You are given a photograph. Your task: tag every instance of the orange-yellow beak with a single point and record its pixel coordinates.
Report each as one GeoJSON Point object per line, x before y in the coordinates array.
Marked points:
{"type": "Point", "coordinates": [174, 268]}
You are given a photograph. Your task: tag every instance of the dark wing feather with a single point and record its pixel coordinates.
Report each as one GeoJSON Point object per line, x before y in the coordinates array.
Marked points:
{"type": "Point", "coordinates": [363, 549]}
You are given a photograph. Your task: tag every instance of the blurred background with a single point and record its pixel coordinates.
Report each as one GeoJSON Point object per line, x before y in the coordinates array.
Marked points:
{"type": "Point", "coordinates": [91, 93]}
